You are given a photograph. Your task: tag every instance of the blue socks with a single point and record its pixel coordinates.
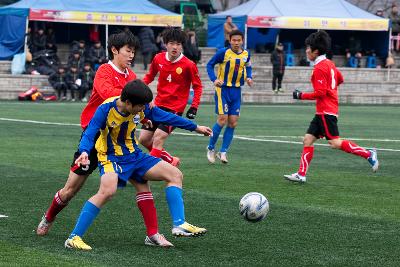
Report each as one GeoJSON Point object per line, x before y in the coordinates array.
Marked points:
{"type": "Point", "coordinates": [227, 139]}
{"type": "Point", "coordinates": [88, 214]}
{"type": "Point", "coordinates": [213, 139]}
{"type": "Point", "coordinates": [175, 204]}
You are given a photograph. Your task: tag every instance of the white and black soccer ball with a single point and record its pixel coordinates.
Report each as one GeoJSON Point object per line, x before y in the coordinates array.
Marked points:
{"type": "Point", "coordinates": [254, 207]}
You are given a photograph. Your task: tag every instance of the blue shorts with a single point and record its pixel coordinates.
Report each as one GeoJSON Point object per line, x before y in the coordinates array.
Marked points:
{"type": "Point", "coordinates": [227, 100]}
{"type": "Point", "coordinates": [133, 166]}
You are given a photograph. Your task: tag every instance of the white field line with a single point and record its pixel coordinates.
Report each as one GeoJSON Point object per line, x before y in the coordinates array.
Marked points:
{"type": "Point", "coordinates": [236, 137]}
{"type": "Point", "coordinates": [3, 216]}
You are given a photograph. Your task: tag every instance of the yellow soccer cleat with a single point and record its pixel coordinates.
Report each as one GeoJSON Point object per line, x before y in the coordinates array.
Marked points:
{"type": "Point", "coordinates": [186, 229]}
{"type": "Point", "coordinates": [76, 243]}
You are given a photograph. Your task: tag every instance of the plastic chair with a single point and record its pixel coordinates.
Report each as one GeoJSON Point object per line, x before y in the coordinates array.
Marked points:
{"type": "Point", "coordinates": [289, 60]}
{"type": "Point", "coordinates": [352, 62]}
{"type": "Point", "coordinates": [288, 47]}
{"type": "Point", "coordinates": [371, 62]}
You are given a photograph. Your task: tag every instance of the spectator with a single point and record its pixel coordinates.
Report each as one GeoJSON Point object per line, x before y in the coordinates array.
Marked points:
{"type": "Point", "coordinates": [160, 43]}
{"type": "Point", "coordinates": [379, 13]}
{"type": "Point", "coordinates": [58, 82]}
{"type": "Point", "coordinates": [87, 77]}
{"type": "Point", "coordinates": [147, 45]}
{"type": "Point", "coordinates": [229, 26]}
{"type": "Point", "coordinates": [354, 51]}
{"type": "Point", "coordinates": [395, 19]}
{"type": "Point", "coordinates": [39, 41]}
{"type": "Point", "coordinates": [191, 47]}
{"type": "Point", "coordinates": [278, 60]}
{"type": "Point", "coordinates": [94, 35]}
{"type": "Point", "coordinates": [73, 81]}
{"type": "Point", "coordinates": [83, 51]}
{"type": "Point", "coordinates": [76, 59]}
{"type": "Point", "coordinates": [97, 55]}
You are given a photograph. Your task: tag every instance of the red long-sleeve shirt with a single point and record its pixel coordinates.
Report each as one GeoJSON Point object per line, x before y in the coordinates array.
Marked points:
{"type": "Point", "coordinates": [108, 82]}
{"type": "Point", "coordinates": [325, 80]}
{"type": "Point", "coordinates": [174, 82]}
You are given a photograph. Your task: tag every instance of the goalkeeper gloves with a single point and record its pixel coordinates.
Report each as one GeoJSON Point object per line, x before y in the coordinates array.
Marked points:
{"type": "Point", "coordinates": [297, 94]}
{"type": "Point", "coordinates": [191, 113]}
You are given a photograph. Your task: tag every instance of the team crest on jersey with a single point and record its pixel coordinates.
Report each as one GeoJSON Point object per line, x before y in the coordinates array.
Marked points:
{"type": "Point", "coordinates": [136, 119]}
{"type": "Point", "coordinates": [178, 70]}
{"type": "Point", "coordinates": [244, 59]}
{"type": "Point", "coordinates": [113, 124]}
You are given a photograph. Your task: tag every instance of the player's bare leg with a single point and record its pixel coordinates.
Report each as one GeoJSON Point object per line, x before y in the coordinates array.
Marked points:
{"type": "Point", "coordinates": [63, 196]}
{"type": "Point", "coordinates": [154, 142]}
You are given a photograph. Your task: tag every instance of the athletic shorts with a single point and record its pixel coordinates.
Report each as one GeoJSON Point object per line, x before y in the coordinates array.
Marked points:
{"type": "Point", "coordinates": [227, 100]}
{"type": "Point", "coordinates": [166, 128]}
{"type": "Point", "coordinates": [324, 126]}
{"type": "Point", "coordinates": [133, 166]}
{"type": "Point", "coordinates": [85, 170]}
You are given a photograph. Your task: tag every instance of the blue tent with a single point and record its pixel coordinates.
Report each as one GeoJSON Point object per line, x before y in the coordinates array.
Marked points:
{"type": "Point", "coordinates": [12, 31]}
{"type": "Point", "coordinates": [106, 12]}
{"type": "Point", "coordinates": [292, 14]}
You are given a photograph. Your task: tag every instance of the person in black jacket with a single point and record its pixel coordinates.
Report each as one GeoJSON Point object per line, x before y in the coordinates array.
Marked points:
{"type": "Point", "coordinates": [86, 76]}
{"type": "Point", "coordinates": [147, 45]}
{"type": "Point", "coordinates": [76, 59]}
{"type": "Point", "coordinates": [278, 60]}
{"type": "Point", "coordinates": [59, 83]}
{"type": "Point", "coordinates": [97, 55]}
{"type": "Point", "coordinates": [73, 81]}
{"type": "Point", "coordinates": [39, 41]}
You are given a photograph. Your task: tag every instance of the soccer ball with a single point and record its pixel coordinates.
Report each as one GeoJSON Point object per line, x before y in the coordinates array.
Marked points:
{"type": "Point", "coordinates": [254, 207]}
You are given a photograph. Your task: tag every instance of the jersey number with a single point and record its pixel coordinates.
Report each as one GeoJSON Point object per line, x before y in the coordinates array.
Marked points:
{"type": "Point", "coordinates": [169, 78]}
{"type": "Point", "coordinates": [333, 84]}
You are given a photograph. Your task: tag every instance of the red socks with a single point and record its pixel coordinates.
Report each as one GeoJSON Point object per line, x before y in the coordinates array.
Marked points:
{"type": "Point", "coordinates": [305, 160]}
{"type": "Point", "coordinates": [146, 206]}
{"type": "Point", "coordinates": [163, 154]}
{"type": "Point", "coordinates": [56, 206]}
{"type": "Point", "coordinates": [353, 148]}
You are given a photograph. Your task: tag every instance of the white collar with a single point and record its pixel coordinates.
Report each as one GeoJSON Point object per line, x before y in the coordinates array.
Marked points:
{"type": "Point", "coordinates": [176, 60]}
{"type": "Point", "coordinates": [126, 73]}
{"type": "Point", "coordinates": [319, 59]}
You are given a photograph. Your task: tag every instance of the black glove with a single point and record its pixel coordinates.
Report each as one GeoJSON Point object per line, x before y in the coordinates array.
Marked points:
{"type": "Point", "coordinates": [297, 94]}
{"type": "Point", "coordinates": [191, 113]}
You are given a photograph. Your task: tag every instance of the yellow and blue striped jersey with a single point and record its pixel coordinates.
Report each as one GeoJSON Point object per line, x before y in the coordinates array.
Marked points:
{"type": "Point", "coordinates": [233, 68]}
{"type": "Point", "coordinates": [117, 130]}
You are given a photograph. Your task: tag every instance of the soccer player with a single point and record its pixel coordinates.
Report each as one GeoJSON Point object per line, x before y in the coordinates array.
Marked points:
{"type": "Point", "coordinates": [234, 69]}
{"type": "Point", "coordinates": [121, 160]}
{"type": "Point", "coordinates": [109, 80]}
{"type": "Point", "coordinates": [176, 74]}
{"type": "Point", "coordinates": [325, 80]}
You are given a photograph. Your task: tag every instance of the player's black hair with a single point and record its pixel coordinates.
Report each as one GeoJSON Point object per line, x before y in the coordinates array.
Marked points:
{"type": "Point", "coordinates": [236, 32]}
{"type": "Point", "coordinates": [119, 40]}
{"type": "Point", "coordinates": [137, 92]}
{"type": "Point", "coordinates": [229, 16]}
{"type": "Point", "coordinates": [319, 40]}
{"type": "Point", "coordinates": [172, 34]}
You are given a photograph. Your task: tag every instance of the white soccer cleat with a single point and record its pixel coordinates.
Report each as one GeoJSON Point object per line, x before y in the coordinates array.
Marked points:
{"type": "Point", "coordinates": [295, 177]}
{"type": "Point", "coordinates": [157, 240]}
{"type": "Point", "coordinates": [373, 160]}
{"type": "Point", "coordinates": [211, 155]}
{"type": "Point", "coordinates": [43, 227]}
{"type": "Point", "coordinates": [223, 157]}
{"type": "Point", "coordinates": [188, 230]}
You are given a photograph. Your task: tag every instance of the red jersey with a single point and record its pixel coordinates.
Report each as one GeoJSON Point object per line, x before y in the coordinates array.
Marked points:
{"type": "Point", "coordinates": [325, 80]}
{"type": "Point", "coordinates": [108, 82]}
{"type": "Point", "coordinates": [174, 82]}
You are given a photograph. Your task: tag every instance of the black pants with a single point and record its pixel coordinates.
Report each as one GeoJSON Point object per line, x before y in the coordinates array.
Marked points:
{"type": "Point", "coordinates": [279, 77]}
{"type": "Point", "coordinates": [61, 88]}
{"type": "Point", "coordinates": [74, 88]}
